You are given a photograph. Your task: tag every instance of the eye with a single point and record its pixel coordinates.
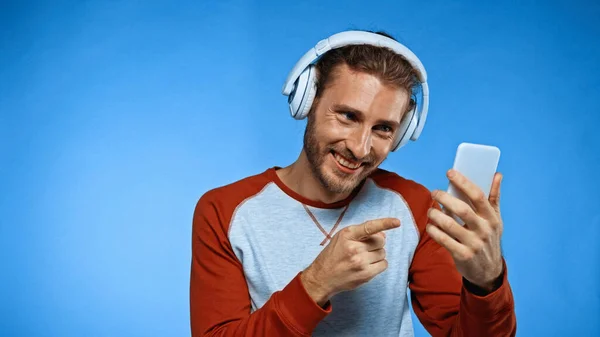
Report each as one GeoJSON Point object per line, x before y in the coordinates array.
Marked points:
{"type": "Point", "coordinates": [351, 116]}
{"type": "Point", "coordinates": [384, 128]}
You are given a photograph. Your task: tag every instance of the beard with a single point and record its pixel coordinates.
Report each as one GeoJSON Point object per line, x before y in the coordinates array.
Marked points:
{"type": "Point", "coordinates": [335, 182]}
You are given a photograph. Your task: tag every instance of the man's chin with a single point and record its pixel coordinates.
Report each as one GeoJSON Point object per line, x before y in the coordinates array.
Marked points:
{"type": "Point", "coordinates": [338, 182]}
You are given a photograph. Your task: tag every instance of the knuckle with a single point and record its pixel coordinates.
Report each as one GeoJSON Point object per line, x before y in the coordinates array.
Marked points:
{"type": "Point", "coordinates": [356, 262]}
{"type": "Point", "coordinates": [495, 224]}
{"type": "Point", "coordinates": [477, 246]}
{"type": "Point", "coordinates": [381, 243]}
{"type": "Point", "coordinates": [480, 197]}
{"type": "Point", "coordinates": [447, 224]}
{"type": "Point", "coordinates": [352, 250]}
{"type": "Point", "coordinates": [346, 231]}
{"type": "Point", "coordinates": [380, 254]}
{"type": "Point", "coordinates": [443, 240]}
{"type": "Point", "coordinates": [431, 213]}
{"type": "Point", "coordinates": [486, 233]}
{"type": "Point", "coordinates": [434, 213]}
{"type": "Point", "coordinates": [469, 256]}
{"type": "Point", "coordinates": [465, 256]}
{"type": "Point", "coordinates": [463, 212]}
{"type": "Point", "coordinates": [385, 265]}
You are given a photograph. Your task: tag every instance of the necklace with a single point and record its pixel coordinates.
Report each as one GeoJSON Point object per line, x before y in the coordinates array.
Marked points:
{"type": "Point", "coordinates": [327, 235]}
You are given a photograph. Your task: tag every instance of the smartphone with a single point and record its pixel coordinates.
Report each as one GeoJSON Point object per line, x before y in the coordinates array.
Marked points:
{"type": "Point", "coordinates": [478, 163]}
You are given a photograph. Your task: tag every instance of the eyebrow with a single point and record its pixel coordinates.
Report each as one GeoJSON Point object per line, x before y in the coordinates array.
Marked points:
{"type": "Point", "coordinates": [346, 108]}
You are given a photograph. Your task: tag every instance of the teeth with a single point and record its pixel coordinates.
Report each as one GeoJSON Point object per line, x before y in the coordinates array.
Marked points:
{"type": "Point", "coordinates": [346, 163]}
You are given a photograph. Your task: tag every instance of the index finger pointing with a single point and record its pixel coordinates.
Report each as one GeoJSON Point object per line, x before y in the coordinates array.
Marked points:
{"type": "Point", "coordinates": [372, 227]}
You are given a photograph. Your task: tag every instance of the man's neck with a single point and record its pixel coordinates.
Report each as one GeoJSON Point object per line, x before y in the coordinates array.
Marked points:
{"type": "Point", "coordinates": [300, 178]}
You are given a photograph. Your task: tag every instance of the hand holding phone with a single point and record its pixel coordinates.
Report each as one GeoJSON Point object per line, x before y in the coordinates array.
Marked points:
{"type": "Point", "coordinates": [474, 194]}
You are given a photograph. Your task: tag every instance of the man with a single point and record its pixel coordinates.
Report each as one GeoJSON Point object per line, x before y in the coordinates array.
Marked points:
{"type": "Point", "coordinates": [328, 245]}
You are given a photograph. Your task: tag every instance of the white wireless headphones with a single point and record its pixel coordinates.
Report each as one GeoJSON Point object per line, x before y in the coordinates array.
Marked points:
{"type": "Point", "coordinates": [300, 85]}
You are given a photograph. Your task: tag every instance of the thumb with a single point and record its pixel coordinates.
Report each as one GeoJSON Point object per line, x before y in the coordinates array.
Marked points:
{"type": "Point", "coordinates": [368, 228]}
{"type": "Point", "coordinates": [494, 197]}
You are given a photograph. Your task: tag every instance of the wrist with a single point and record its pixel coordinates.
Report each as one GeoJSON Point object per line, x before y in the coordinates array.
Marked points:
{"type": "Point", "coordinates": [314, 287]}
{"type": "Point", "coordinates": [485, 288]}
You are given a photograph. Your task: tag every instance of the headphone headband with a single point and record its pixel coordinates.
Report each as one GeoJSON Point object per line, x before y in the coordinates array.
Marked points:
{"type": "Point", "coordinates": [352, 37]}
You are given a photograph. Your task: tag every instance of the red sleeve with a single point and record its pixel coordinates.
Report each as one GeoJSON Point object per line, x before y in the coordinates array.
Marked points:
{"type": "Point", "coordinates": [219, 297]}
{"type": "Point", "coordinates": [441, 300]}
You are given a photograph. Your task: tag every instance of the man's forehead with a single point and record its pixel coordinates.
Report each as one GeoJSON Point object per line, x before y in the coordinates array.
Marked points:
{"type": "Point", "coordinates": [347, 80]}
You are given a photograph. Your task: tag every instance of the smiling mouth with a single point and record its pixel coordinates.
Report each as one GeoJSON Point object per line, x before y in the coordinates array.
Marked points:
{"type": "Point", "coordinates": [345, 163]}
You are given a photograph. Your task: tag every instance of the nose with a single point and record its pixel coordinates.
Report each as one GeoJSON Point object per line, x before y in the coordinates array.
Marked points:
{"type": "Point", "coordinates": [359, 142]}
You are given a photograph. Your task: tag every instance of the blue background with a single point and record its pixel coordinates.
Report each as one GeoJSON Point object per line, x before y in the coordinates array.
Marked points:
{"type": "Point", "coordinates": [116, 116]}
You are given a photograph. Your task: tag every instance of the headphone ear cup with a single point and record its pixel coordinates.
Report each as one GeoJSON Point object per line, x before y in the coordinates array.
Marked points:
{"type": "Point", "coordinates": [309, 95]}
{"type": "Point", "coordinates": [406, 129]}
{"type": "Point", "coordinates": [303, 94]}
